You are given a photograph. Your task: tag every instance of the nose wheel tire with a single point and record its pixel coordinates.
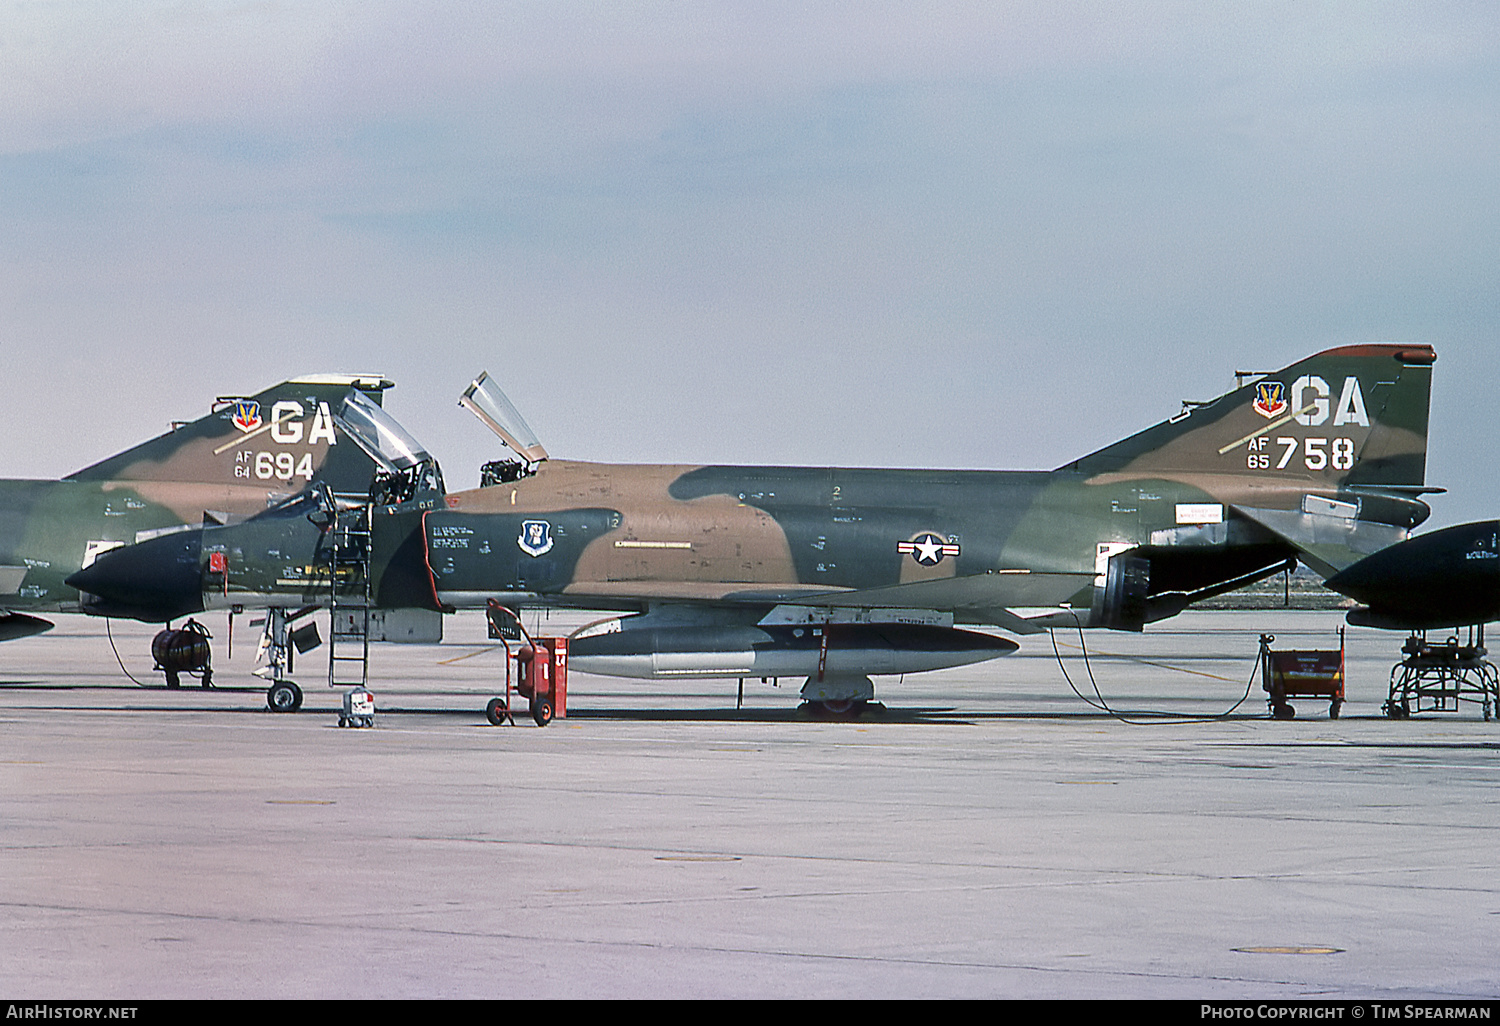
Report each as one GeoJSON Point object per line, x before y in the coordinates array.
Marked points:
{"type": "Point", "coordinates": [284, 696]}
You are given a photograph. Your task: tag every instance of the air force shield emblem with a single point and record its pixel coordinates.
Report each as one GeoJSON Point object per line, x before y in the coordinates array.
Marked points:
{"type": "Point", "coordinates": [536, 537]}
{"type": "Point", "coordinates": [1270, 399]}
{"type": "Point", "coordinates": [247, 415]}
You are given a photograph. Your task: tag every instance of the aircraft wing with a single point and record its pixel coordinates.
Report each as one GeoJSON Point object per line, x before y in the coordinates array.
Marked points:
{"type": "Point", "coordinates": [1000, 589]}
{"type": "Point", "coordinates": [987, 598]}
{"type": "Point", "coordinates": [713, 592]}
{"type": "Point", "coordinates": [11, 578]}
{"type": "Point", "coordinates": [17, 625]}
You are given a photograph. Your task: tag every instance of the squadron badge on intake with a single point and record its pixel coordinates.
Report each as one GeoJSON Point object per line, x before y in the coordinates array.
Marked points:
{"type": "Point", "coordinates": [536, 537]}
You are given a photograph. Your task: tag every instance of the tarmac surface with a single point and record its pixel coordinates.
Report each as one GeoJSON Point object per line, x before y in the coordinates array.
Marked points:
{"type": "Point", "coordinates": [992, 835]}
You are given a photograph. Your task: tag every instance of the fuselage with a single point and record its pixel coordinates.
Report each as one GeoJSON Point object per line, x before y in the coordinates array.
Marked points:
{"type": "Point", "coordinates": [1448, 578]}
{"type": "Point", "coordinates": [633, 537]}
{"type": "Point", "coordinates": [1321, 462]}
{"type": "Point", "coordinates": [244, 456]}
{"type": "Point", "coordinates": [667, 532]}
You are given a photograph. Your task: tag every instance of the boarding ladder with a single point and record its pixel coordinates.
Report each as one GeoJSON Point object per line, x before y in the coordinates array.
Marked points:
{"type": "Point", "coordinates": [349, 596]}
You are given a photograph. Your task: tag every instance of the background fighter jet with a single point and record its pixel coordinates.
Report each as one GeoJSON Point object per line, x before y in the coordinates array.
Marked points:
{"type": "Point", "coordinates": [839, 574]}
{"type": "Point", "coordinates": [248, 453]}
{"type": "Point", "coordinates": [1449, 578]}
{"type": "Point", "coordinates": [308, 551]}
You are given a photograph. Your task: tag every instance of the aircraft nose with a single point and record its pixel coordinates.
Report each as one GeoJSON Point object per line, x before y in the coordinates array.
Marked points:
{"type": "Point", "coordinates": [155, 580]}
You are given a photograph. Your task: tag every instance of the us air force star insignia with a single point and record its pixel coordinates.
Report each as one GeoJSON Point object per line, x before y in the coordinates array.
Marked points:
{"type": "Point", "coordinates": [536, 537]}
{"type": "Point", "coordinates": [927, 549]}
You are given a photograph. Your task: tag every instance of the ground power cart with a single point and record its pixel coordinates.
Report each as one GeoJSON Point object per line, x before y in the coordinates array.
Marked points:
{"type": "Point", "coordinates": [1307, 673]}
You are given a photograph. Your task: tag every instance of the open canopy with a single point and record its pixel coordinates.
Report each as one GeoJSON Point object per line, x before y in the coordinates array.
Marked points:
{"type": "Point", "coordinates": [382, 438]}
{"type": "Point", "coordinates": [484, 399]}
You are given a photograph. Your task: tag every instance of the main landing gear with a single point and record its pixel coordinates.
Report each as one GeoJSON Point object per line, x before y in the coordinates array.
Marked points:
{"type": "Point", "coordinates": [842, 710]}
{"type": "Point", "coordinates": [839, 697]}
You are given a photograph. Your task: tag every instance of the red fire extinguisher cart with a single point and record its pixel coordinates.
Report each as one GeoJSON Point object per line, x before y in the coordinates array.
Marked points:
{"type": "Point", "coordinates": [541, 669]}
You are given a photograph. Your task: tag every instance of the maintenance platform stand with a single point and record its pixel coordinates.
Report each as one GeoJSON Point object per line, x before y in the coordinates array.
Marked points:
{"type": "Point", "coordinates": [1436, 677]}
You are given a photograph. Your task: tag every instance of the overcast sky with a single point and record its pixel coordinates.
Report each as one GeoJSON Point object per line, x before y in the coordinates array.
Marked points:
{"type": "Point", "coordinates": [990, 234]}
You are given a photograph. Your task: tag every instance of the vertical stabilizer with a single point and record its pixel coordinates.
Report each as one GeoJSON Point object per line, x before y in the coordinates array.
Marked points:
{"type": "Point", "coordinates": [283, 440]}
{"type": "Point", "coordinates": [1329, 454]}
{"type": "Point", "coordinates": [1346, 418]}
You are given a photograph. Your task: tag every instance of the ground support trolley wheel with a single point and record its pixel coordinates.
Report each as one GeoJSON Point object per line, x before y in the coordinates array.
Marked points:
{"type": "Point", "coordinates": [498, 711]}
{"type": "Point", "coordinates": [541, 712]}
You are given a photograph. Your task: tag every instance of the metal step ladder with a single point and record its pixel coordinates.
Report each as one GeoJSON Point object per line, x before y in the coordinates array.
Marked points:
{"type": "Point", "coordinates": [349, 597]}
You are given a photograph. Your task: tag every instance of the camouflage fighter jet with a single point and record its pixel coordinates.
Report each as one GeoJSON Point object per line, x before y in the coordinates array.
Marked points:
{"type": "Point", "coordinates": [1444, 579]}
{"type": "Point", "coordinates": [248, 453]}
{"type": "Point", "coordinates": [838, 574]}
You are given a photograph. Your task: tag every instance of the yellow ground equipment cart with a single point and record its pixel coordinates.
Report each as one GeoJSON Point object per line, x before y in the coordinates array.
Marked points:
{"type": "Point", "coordinates": [1308, 673]}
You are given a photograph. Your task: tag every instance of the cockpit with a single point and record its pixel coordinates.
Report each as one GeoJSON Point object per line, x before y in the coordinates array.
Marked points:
{"type": "Point", "coordinates": [485, 400]}
{"type": "Point", "coordinates": [405, 472]}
